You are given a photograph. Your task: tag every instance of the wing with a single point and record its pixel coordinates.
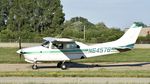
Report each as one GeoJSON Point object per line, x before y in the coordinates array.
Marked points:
{"type": "Point", "coordinates": [51, 39]}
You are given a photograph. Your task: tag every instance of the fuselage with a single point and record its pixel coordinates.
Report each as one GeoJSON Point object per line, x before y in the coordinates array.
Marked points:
{"type": "Point", "coordinates": [47, 53]}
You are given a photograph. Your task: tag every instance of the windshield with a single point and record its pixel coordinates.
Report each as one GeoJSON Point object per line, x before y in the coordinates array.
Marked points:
{"type": "Point", "coordinates": [45, 44]}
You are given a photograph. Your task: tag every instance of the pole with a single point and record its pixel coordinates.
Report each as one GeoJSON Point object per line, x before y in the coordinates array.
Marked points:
{"type": "Point", "coordinates": [84, 32]}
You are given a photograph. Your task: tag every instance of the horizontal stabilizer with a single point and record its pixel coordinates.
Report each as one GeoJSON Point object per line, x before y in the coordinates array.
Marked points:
{"type": "Point", "coordinates": [125, 48]}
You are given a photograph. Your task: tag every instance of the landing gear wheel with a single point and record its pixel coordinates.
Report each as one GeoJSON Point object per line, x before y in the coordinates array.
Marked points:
{"type": "Point", "coordinates": [34, 67]}
{"type": "Point", "coordinates": [59, 64]}
{"type": "Point", "coordinates": [63, 67]}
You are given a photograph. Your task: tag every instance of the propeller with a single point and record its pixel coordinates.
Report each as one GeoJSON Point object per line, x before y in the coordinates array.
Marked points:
{"type": "Point", "coordinates": [20, 53]}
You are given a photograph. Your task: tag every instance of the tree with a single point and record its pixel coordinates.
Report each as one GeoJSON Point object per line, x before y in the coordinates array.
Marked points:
{"type": "Point", "coordinates": [73, 28]}
{"type": "Point", "coordinates": [33, 16]}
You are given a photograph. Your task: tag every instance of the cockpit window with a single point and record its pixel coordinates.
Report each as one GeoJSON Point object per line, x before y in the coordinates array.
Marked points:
{"type": "Point", "coordinates": [64, 45]}
{"type": "Point", "coordinates": [45, 44]}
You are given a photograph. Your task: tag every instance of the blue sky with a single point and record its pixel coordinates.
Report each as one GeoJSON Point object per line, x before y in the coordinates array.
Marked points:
{"type": "Point", "coordinates": [114, 13]}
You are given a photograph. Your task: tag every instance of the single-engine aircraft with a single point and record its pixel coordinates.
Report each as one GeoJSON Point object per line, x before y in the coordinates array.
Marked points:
{"type": "Point", "coordinates": [64, 49]}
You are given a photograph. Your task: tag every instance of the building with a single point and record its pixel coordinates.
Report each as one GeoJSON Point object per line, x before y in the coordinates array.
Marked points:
{"type": "Point", "coordinates": [144, 32]}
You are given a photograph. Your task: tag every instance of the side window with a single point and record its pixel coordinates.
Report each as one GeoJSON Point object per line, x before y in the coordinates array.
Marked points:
{"type": "Point", "coordinates": [57, 46]}
{"type": "Point", "coordinates": [65, 46]}
{"type": "Point", "coordinates": [72, 46]}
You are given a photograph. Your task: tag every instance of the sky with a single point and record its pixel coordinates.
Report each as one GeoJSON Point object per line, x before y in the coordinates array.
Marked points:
{"type": "Point", "coordinates": [114, 13]}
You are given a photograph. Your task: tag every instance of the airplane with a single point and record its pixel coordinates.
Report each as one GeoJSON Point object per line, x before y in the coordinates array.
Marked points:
{"type": "Point", "coordinates": [65, 49]}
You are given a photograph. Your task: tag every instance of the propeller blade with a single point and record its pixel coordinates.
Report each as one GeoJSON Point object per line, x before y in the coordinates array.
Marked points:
{"type": "Point", "coordinates": [20, 54]}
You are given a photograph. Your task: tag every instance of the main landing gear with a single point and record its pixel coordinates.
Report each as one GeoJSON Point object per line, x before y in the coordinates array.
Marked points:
{"type": "Point", "coordinates": [62, 65]}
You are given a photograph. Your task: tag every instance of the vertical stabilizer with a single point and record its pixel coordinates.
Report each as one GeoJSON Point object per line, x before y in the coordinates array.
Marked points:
{"type": "Point", "coordinates": [131, 35]}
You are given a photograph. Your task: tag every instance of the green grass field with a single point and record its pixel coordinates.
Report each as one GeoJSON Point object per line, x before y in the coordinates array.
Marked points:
{"type": "Point", "coordinates": [9, 55]}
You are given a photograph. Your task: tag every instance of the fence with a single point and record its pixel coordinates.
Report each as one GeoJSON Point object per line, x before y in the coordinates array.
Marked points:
{"type": "Point", "coordinates": [16, 45]}
{"type": "Point", "coordinates": [22, 40]}
{"type": "Point", "coordinates": [41, 40]}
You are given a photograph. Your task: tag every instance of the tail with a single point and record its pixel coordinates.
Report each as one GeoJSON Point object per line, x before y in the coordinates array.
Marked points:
{"type": "Point", "coordinates": [127, 41]}
{"type": "Point", "coordinates": [129, 38]}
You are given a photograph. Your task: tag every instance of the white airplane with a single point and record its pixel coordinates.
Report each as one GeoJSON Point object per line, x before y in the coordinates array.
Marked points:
{"type": "Point", "coordinates": [64, 49]}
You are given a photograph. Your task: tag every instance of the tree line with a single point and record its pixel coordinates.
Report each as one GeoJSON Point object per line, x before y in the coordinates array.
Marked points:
{"type": "Point", "coordinates": [35, 19]}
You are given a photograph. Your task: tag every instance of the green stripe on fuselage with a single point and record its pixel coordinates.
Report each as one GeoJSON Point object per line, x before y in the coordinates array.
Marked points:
{"type": "Point", "coordinates": [57, 51]}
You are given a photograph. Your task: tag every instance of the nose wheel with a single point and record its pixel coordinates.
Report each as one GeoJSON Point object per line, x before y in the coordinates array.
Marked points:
{"type": "Point", "coordinates": [34, 66]}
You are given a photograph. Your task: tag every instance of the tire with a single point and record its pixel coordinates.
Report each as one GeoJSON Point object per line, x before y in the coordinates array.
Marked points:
{"type": "Point", "coordinates": [34, 67]}
{"type": "Point", "coordinates": [63, 67]}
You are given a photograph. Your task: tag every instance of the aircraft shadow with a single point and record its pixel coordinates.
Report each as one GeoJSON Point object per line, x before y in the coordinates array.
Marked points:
{"type": "Point", "coordinates": [69, 65]}
{"type": "Point", "coordinates": [44, 67]}
{"type": "Point", "coordinates": [80, 65]}
{"type": "Point", "coordinates": [122, 65]}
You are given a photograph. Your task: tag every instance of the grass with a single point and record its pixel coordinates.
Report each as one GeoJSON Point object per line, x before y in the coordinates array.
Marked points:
{"type": "Point", "coordinates": [87, 73]}
{"type": "Point", "coordinates": [9, 55]}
